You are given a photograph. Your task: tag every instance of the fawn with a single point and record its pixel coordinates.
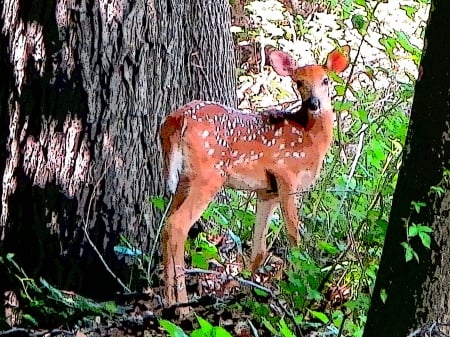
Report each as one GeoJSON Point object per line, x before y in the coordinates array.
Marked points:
{"type": "Point", "coordinates": [208, 145]}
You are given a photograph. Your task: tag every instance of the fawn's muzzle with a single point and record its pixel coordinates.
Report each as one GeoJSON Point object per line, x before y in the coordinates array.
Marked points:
{"type": "Point", "coordinates": [312, 103]}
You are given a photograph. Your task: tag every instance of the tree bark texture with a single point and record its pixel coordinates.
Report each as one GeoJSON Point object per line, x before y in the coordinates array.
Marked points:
{"type": "Point", "coordinates": [86, 86]}
{"type": "Point", "coordinates": [419, 292]}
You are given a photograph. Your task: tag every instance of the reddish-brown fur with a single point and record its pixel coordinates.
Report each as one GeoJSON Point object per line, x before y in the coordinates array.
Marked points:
{"type": "Point", "coordinates": [208, 146]}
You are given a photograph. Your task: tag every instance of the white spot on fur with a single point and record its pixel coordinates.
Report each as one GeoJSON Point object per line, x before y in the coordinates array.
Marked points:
{"type": "Point", "coordinates": [278, 132]}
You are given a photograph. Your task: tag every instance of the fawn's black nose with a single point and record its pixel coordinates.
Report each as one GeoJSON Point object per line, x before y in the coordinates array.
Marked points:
{"type": "Point", "coordinates": [312, 103]}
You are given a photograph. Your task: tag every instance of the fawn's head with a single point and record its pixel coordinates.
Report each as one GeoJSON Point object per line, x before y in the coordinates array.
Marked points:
{"type": "Point", "coordinates": [312, 81]}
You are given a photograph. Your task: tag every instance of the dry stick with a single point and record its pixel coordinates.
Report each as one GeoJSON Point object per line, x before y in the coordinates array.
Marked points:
{"type": "Point", "coordinates": [251, 284]}
{"type": "Point", "coordinates": [91, 200]}
{"type": "Point", "coordinates": [158, 233]}
{"type": "Point", "coordinates": [254, 330]}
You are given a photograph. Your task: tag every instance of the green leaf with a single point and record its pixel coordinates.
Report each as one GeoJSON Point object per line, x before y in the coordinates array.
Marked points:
{"type": "Point", "coordinates": [342, 106]}
{"type": "Point", "coordinates": [205, 327]}
{"type": "Point", "coordinates": [204, 324]}
{"type": "Point", "coordinates": [389, 44]}
{"type": "Point", "coordinates": [362, 114]}
{"type": "Point", "coordinates": [383, 295]}
{"type": "Point", "coordinates": [404, 42]}
{"type": "Point", "coordinates": [409, 252]}
{"type": "Point", "coordinates": [361, 3]}
{"type": "Point", "coordinates": [111, 307]}
{"type": "Point", "coordinates": [413, 230]}
{"type": "Point", "coordinates": [426, 239]}
{"type": "Point", "coordinates": [261, 292]}
{"type": "Point", "coordinates": [285, 331]}
{"type": "Point", "coordinates": [219, 331]}
{"type": "Point", "coordinates": [30, 319]}
{"type": "Point", "coordinates": [327, 247]}
{"type": "Point", "coordinates": [437, 190]}
{"type": "Point", "coordinates": [268, 325]}
{"type": "Point", "coordinates": [202, 252]}
{"type": "Point", "coordinates": [417, 205]}
{"type": "Point", "coordinates": [425, 229]}
{"type": "Point", "coordinates": [410, 11]}
{"type": "Point", "coordinates": [158, 202]}
{"type": "Point", "coordinates": [340, 90]}
{"type": "Point", "coordinates": [315, 295]}
{"type": "Point", "coordinates": [199, 260]}
{"type": "Point", "coordinates": [200, 333]}
{"type": "Point", "coordinates": [172, 329]}
{"type": "Point", "coordinates": [360, 24]}
{"type": "Point", "coordinates": [320, 316]}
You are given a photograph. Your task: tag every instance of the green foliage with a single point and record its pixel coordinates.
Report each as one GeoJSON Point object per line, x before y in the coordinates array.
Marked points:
{"type": "Point", "coordinates": [304, 279]}
{"type": "Point", "coordinates": [159, 202]}
{"type": "Point", "coordinates": [44, 304]}
{"type": "Point", "coordinates": [346, 213]}
{"type": "Point", "coordinates": [202, 251]}
{"type": "Point", "coordinates": [206, 329]}
{"type": "Point", "coordinates": [172, 329]}
{"type": "Point", "coordinates": [422, 232]}
{"type": "Point", "coordinates": [419, 230]}
{"type": "Point", "coordinates": [409, 252]}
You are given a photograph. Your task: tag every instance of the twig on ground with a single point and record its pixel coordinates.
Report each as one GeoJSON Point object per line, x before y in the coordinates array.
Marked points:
{"type": "Point", "coordinates": [254, 285]}
{"type": "Point", "coordinates": [88, 238]}
{"type": "Point", "coordinates": [158, 233]}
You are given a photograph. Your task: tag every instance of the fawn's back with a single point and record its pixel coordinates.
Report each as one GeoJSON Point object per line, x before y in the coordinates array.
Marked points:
{"type": "Point", "coordinates": [215, 141]}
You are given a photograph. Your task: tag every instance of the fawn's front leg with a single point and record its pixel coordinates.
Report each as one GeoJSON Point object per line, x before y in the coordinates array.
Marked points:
{"type": "Point", "coordinates": [265, 205]}
{"type": "Point", "coordinates": [289, 208]}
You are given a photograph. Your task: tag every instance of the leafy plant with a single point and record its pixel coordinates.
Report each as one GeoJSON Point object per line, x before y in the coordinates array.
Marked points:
{"type": "Point", "coordinates": [44, 304]}
{"type": "Point", "coordinates": [206, 329]}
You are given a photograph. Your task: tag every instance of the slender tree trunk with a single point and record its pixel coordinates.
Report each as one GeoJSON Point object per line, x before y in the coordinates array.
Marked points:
{"type": "Point", "coordinates": [86, 86]}
{"type": "Point", "coordinates": [417, 293]}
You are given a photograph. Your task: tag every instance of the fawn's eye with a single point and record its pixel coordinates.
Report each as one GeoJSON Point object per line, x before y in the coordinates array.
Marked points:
{"type": "Point", "coordinates": [299, 84]}
{"type": "Point", "coordinates": [325, 81]}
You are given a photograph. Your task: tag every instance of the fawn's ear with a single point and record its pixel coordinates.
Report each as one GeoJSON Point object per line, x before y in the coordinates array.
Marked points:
{"type": "Point", "coordinates": [283, 63]}
{"type": "Point", "coordinates": [339, 59]}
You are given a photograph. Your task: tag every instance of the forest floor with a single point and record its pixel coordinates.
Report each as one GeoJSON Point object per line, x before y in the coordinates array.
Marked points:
{"type": "Point", "coordinates": [220, 298]}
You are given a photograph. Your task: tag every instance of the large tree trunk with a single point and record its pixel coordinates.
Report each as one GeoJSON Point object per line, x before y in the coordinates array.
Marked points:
{"type": "Point", "coordinates": [418, 292]}
{"type": "Point", "coordinates": [86, 86]}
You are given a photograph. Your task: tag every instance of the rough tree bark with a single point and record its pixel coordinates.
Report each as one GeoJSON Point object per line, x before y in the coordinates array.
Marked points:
{"type": "Point", "coordinates": [85, 87]}
{"type": "Point", "coordinates": [419, 292]}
